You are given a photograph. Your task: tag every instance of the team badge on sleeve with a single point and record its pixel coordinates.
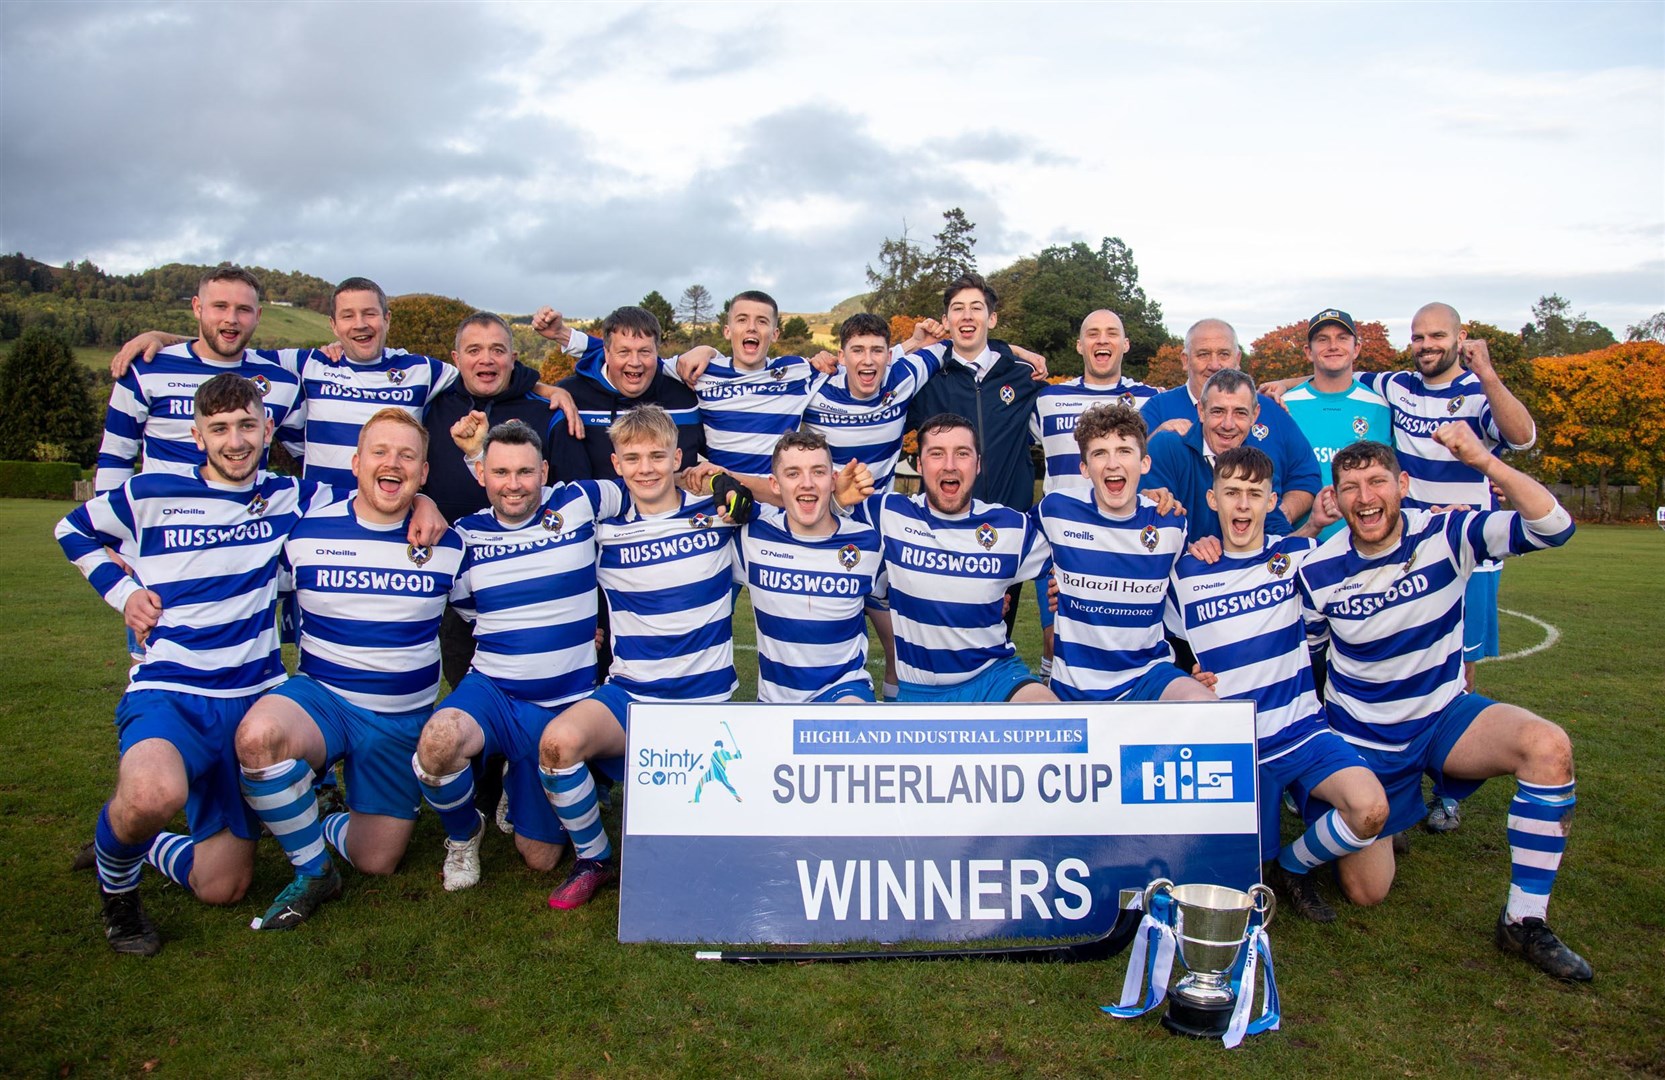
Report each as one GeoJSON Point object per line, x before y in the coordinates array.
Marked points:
{"type": "Point", "coordinates": [396, 376]}
{"type": "Point", "coordinates": [1361, 426]}
{"type": "Point", "coordinates": [1007, 394]}
{"type": "Point", "coordinates": [986, 535]}
{"type": "Point", "coordinates": [257, 506]}
{"type": "Point", "coordinates": [262, 384]}
{"type": "Point", "coordinates": [1261, 431]}
{"type": "Point", "coordinates": [848, 556]}
{"type": "Point", "coordinates": [1147, 537]}
{"type": "Point", "coordinates": [418, 553]}
{"type": "Point", "coordinates": [1278, 564]}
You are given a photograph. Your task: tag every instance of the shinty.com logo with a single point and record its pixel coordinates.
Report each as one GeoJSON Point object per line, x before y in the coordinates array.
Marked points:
{"type": "Point", "coordinates": [689, 768]}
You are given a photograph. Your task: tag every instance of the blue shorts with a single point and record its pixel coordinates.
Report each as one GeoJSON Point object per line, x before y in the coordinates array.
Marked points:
{"type": "Point", "coordinates": [1480, 616]}
{"type": "Point", "coordinates": [1147, 687]}
{"type": "Point", "coordinates": [1400, 771]}
{"type": "Point", "coordinates": [1301, 769]}
{"type": "Point", "coordinates": [997, 682]}
{"type": "Point", "coordinates": [376, 747]}
{"type": "Point", "coordinates": [854, 688]}
{"type": "Point", "coordinates": [203, 730]}
{"type": "Point", "coordinates": [513, 728]}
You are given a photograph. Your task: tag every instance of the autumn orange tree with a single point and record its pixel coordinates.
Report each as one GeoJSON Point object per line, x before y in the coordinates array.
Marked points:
{"type": "Point", "coordinates": [1601, 416]}
{"type": "Point", "coordinates": [1167, 368]}
{"type": "Point", "coordinates": [424, 323]}
{"type": "Point", "coordinates": [1280, 353]}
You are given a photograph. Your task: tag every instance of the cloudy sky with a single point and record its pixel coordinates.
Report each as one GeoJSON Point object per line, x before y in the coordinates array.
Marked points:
{"type": "Point", "coordinates": [1262, 161]}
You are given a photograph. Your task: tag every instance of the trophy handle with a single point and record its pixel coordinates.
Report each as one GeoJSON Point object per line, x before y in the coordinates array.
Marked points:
{"type": "Point", "coordinates": [1160, 885]}
{"type": "Point", "coordinates": [1263, 902]}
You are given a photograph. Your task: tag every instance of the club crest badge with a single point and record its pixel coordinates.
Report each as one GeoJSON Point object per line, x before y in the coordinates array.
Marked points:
{"type": "Point", "coordinates": [1147, 537]}
{"type": "Point", "coordinates": [888, 399]}
{"type": "Point", "coordinates": [1361, 426]}
{"type": "Point", "coordinates": [1261, 431]}
{"type": "Point", "coordinates": [777, 374]}
{"type": "Point", "coordinates": [986, 535]}
{"type": "Point", "coordinates": [262, 384]}
{"type": "Point", "coordinates": [1410, 562]}
{"type": "Point", "coordinates": [552, 520]}
{"type": "Point", "coordinates": [1456, 403]}
{"type": "Point", "coordinates": [1126, 399]}
{"type": "Point", "coordinates": [848, 556]}
{"type": "Point", "coordinates": [1278, 564]}
{"type": "Point", "coordinates": [418, 553]}
{"type": "Point", "coordinates": [1007, 394]}
{"type": "Point", "coordinates": [396, 376]}
{"type": "Point", "coordinates": [700, 521]}
{"type": "Point", "coordinates": [257, 506]}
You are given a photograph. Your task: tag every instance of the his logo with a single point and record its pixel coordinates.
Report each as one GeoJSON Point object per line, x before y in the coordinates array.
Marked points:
{"type": "Point", "coordinates": [986, 535]}
{"type": "Point", "coordinates": [1278, 564]}
{"type": "Point", "coordinates": [700, 521]}
{"type": "Point", "coordinates": [1147, 537]}
{"type": "Point", "coordinates": [418, 553]}
{"type": "Point", "coordinates": [1261, 431]}
{"type": "Point", "coordinates": [257, 506]}
{"type": "Point", "coordinates": [262, 384]}
{"type": "Point", "coordinates": [848, 556]}
{"type": "Point", "coordinates": [1007, 394]}
{"type": "Point", "coordinates": [1361, 426]}
{"type": "Point", "coordinates": [396, 376]}
{"type": "Point", "coordinates": [1214, 772]}
{"type": "Point", "coordinates": [1456, 403]}
{"type": "Point", "coordinates": [552, 520]}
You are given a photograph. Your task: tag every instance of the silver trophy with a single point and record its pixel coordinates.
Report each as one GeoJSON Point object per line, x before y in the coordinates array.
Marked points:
{"type": "Point", "coordinates": [1212, 924]}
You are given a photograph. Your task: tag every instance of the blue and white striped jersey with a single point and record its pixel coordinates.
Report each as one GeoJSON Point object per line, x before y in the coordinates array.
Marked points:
{"type": "Point", "coordinates": [1112, 592]}
{"type": "Point", "coordinates": [744, 412]}
{"type": "Point", "coordinates": [1438, 478]}
{"type": "Point", "coordinates": [532, 592]}
{"type": "Point", "coordinates": [808, 594]}
{"type": "Point", "coordinates": [1059, 406]}
{"type": "Point", "coordinates": [152, 409]}
{"type": "Point", "coordinates": [211, 553]}
{"type": "Point", "coordinates": [948, 578]}
{"type": "Point", "coordinates": [870, 430]}
{"type": "Point", "coordinates": [1396, 621]}
{"type": "Point", "coordinates": [370, 606]}
{"type": "Point", "coordinates": [342, 395]}
{"type": "Point", "coordinates": [1242, 616]}
{"type": "Point", "coordinates": [670, 601]}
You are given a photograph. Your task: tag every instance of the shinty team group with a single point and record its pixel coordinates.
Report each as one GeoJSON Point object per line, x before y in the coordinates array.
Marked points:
{"type": "Point", "coordinates": [1167, 521]}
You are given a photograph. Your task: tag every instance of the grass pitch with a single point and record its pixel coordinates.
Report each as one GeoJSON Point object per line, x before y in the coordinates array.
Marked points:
{"type": "Point", "coordinates": [400, 978]}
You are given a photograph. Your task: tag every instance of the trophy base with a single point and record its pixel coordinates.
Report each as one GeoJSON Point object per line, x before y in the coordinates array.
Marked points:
{"type": "Point", "coordinates": [1195, 1020]}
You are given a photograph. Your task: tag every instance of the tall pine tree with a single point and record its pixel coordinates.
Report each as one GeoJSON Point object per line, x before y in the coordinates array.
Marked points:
{"type": "Point", "coordinates": [45, 401]}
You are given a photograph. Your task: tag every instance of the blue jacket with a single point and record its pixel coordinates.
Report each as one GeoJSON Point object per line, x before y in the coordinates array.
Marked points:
{"type": "Point", "coordinates": [1177, 463]}
{"type": "Point", "coordinates": [999, 407]}
{"type": "Point", "coordinates": [599, 404]}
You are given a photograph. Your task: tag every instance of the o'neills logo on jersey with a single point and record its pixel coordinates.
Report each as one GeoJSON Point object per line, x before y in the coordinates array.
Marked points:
{"type": "Point", "coordinates": [262, 384]}
{"type": "Point", "coordinates": [418, 553]}
{"type": "Point", "coordinates": [1278, 564]}
{"type": "Point", "coordinates": [1261, 431]}
{"type": "Point", "coordinates": [1007, 394]}
{"type": "Point", "coordinates": [396, 376]}
{"type": "Point", "coordinates": [986, 535]}
{"type": "Point", "coordinates": [1456, 404]}
{"type": "Point", "coordinates": [257, 505]}
{"type": "Point", "coordinates": [848, 556]}
{"type": "Point", "coordinates": [1361, 426]}
{"type": "Point", "coordinates": [1147, 537]}
{"type": "Point", "coordinates": [552, 520]}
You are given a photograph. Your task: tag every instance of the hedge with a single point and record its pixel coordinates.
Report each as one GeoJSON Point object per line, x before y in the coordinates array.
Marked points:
{"type": "Point", "coordinates": [38, 479]}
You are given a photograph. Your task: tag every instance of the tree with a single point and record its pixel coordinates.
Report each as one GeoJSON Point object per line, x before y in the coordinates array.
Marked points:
{"type": "Point", "coordinates": [1280, 353]}
{"type": "Point", "coordinates": [796, 338]}
{"type": "Point", "coordinates": [426, 324]}
{"type": "Point", "coordinates": [661, 309]}
{"type": "Point", "coordinates": [795, 327]}
{"type": "Point", "coordinates": [1601, 415]}
{"type": "Point", "coordinates": [903, 284]}
{"type": "Point", "coordinates": [1651, 328]}
{"type": "Point", "coordinates": [696, 306]}
{"type": "Point", "coordinates": [1555, 332]}
{"type": "Point", "coordinates": [1044, 299]}
{"type": "Point", "coordinates": [46, 405]}
{"type": "Point", "coordinates": [953, 256]}
{"type": "Point", "coordinates": [1167, 367]}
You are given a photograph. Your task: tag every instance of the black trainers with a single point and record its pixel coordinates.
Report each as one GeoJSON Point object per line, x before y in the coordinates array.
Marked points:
{"type": "Point", "coordinates": [299, 899]}
{"type": "Point", "coordinates": [1533, 939]}
{"type": "Point", "coordinates": [126, 925]}
{"type": "Point", "coordinates": [1300, 892]}
{"type": "Point", "coordinates": [85, 859]}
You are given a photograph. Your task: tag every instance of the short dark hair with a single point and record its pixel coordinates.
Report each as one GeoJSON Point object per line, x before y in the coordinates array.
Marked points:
{"type": "Point", "coordinates": [1102, 420]}
{"type": "Point", "coordinates": [947, 421]}
{"type": "Point", "coordinates": [640, 320]}
{"type": "Point", "coordinates": [799, 440]}
{"type": "Point", "coordinates": [1359, 455]}
{"type": "Point", "coordinates": [227, 272]}
{"type": "Point", "coordinates": [227, 392]}
{"type": "Point", "coordinates": [512, 433]}
{"type": "Point", "coordinates": [970, 280]}
{"type": "Point", "coordinates": [358, 284]}
{"type": "Point", "coordinates": [757, 297]}
{"type": "Point", "coordinates": [1230, 381]}
{"type": "Point", "coordinates": [863, 324]}
{"type": "Point", "coordinates": [1243, 463]}
{"type": "Point", "coordinates": [485, 318]}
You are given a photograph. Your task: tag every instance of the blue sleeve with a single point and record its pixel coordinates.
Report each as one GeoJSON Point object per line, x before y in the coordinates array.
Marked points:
{"type": "Point", "coordinates": [568, 460]}
{"type": "Point", "coordinates": [1300, 467]}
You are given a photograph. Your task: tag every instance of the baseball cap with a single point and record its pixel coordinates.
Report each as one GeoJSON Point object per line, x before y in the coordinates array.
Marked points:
{"type": "Point", "coordinates": [1331, 315]}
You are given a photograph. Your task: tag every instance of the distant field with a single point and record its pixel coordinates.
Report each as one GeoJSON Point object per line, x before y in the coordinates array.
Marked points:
{"type": "Point", "coordinates": [401, 979]}
{"type": "Point", "coordinates": [280, 328]}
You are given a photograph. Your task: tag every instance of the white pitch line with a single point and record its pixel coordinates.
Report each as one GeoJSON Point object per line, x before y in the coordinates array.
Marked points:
{"type": "Point", "coordinates": [1551, 636]}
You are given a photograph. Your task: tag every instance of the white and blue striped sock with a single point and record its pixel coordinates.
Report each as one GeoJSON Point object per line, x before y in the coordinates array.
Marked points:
{"type": "Point", "coordinates": [1539, 816]}
{"type": "Point", "coordinates": [1327, 840]}
{"type": "Point", "coordinates": [452, 798]}
{"type": "Point", "coordinates": [281, 796]}
{"type": "Point", "coordinates": [118, 862]}
{"type": "Point", "coordinates": [572, 793]}
{"type": "Point", "coordinates": [335, 832]}
{"type": "Point", "coordinates": [174, 855]}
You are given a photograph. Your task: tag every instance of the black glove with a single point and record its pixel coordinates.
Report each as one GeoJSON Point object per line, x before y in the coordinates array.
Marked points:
{"type": "Point", "coordinates": [732, 496]}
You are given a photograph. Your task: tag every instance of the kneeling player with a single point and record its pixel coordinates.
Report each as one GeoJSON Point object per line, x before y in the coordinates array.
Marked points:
{"type": "Point", "coordinates": [666, 567]}
{"type": "Point", "coordinates": [1241, 613]}
{"type": "Point", "coordinates": [1391, 589]}
{"type": "Point", "coordinates": [1113, 552]}
{"type": "Point", "coordinates": [530, 573]}
{"type": "Point", "coordinates": [370, 608]}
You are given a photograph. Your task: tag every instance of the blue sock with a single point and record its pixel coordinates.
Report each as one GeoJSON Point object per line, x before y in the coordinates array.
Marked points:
{"type": "Point", "coordinates": [1327, 840]}
{"type": "Point", "coordinates": [1539, 816]}
{"type": "Point", "coordinates": [452, 798]}
{"type": "Point", "coordinates": [335, 831]}
{"type": "Point", "coordinates": [119, 863]}
{"type": "Point", "coordinates": [173, 854]}
{"type": "Point", "coordinates": [282, 796]}
{"type": "Point", "coordinates": [572, 793]}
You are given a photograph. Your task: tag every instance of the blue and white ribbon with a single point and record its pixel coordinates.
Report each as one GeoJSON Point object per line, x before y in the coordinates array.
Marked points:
{"type": "Point", "coordinates": [1150, 962]}
{"type": "Point", "coordinates": [1259, 952]}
